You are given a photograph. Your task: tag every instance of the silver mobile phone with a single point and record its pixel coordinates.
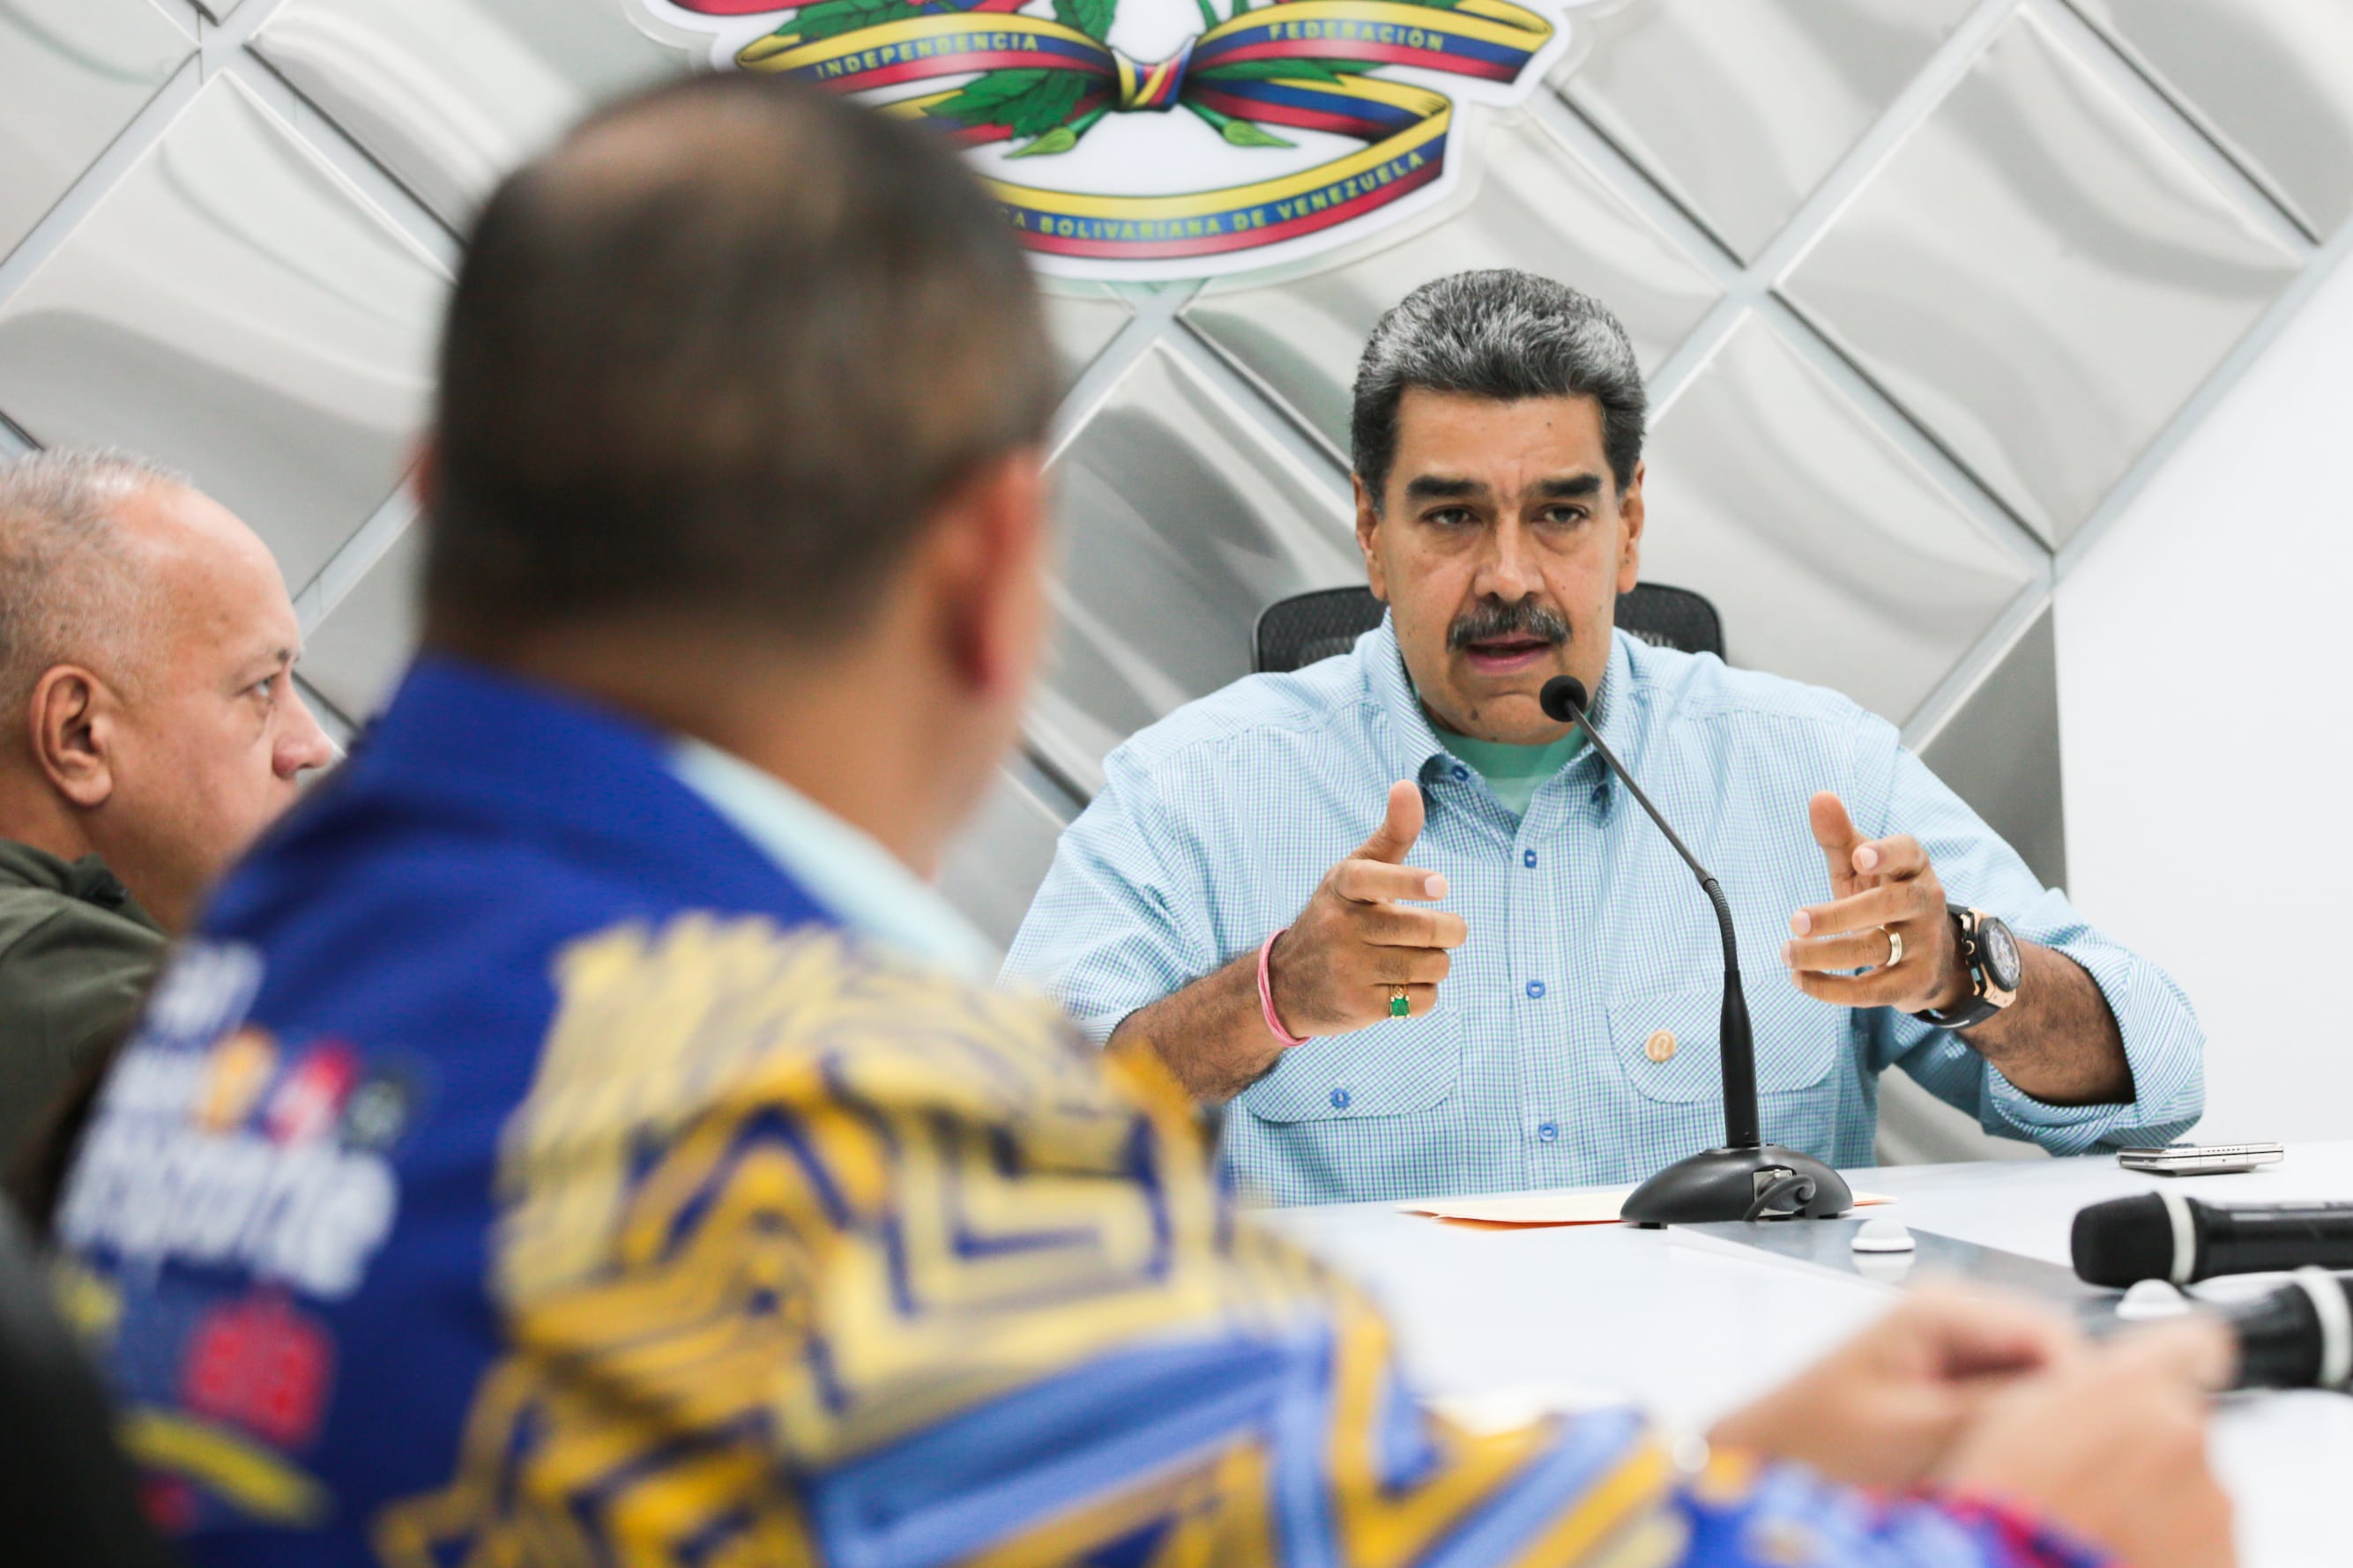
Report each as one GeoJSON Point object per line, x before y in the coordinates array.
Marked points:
{"type": "Point", "coordinates": [2202, 1158]}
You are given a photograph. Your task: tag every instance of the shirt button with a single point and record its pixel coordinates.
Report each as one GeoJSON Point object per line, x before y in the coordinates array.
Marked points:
{"type": "Point", "coordinates": [1661, 1045]}
{"type": "Point", "coordinates": [1339, 1099]}
{"type": "Point", "coordinates": [1536, 988]}
{"type": "Point", "coordinates": [1529, 858]}
{"type": "Point", "coordinates": [1548, 1132]}
{"type": "Point", "coordinates": [1461, 772]}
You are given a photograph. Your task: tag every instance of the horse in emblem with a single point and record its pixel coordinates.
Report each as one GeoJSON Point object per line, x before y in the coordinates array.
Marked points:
{"type": "Point", "coordinates": [1354, 102]}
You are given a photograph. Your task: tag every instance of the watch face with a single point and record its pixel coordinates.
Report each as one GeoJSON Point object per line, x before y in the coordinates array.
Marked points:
{"type": "Point", "coordinates": [2000, 952]}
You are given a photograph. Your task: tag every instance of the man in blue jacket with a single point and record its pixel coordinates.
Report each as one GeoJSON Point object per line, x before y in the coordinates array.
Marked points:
{"type": "Point", "coordinates": [579, 1136]}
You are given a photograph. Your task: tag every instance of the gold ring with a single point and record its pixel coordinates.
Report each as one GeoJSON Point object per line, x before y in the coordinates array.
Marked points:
{"type": "Point", "coordinates": [1399, 1004]}
{"type": "Point", "coordinates": [1894, 947]}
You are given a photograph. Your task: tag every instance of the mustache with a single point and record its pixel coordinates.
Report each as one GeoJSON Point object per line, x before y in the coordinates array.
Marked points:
{"type": "Point", "coordinates": [1493, 619]}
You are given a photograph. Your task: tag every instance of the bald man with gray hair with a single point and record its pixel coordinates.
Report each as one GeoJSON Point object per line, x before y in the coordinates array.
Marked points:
{"type": "Point", "coordinates": [149, 730]}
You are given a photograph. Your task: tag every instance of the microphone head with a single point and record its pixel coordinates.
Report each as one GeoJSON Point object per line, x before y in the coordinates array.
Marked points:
{"type": "Point", "coordinates": [2123, 1241]}
{"type": "Point", "coordinates": [1563, 699]}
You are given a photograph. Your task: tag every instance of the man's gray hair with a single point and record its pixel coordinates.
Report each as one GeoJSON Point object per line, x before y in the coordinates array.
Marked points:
{"type": "Point", "coordinates": [1502, 334]}
{"type": "Point", "coordinates": [69, 589]}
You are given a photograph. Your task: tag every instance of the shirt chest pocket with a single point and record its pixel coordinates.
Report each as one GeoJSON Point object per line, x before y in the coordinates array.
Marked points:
{"type": "Point", "coordinates": [1395, 1067]}
{"type": "Point", "coordinates": [1668, 1042]}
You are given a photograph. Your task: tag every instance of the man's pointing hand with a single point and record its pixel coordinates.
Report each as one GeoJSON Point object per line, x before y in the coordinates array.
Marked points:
{"type": "Point", "coordinates": [1358, 941]}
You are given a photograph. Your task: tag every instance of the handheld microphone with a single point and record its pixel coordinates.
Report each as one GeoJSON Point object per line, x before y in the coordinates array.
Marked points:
{"type": "Point", "coordinates": [2298, 1336]}
{"type": "Point", "coordinates": [2165, 1236]}
{"type": "Point", "coordinates": [1747, 1177]}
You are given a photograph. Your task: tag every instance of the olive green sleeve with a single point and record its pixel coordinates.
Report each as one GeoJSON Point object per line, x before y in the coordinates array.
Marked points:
{"type": "Point", "coordinates": [68, 986]}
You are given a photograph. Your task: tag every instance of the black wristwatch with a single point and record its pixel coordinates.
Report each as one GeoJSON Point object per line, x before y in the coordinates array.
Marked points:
{"type": "Point", "coordinates": [1990, 954]}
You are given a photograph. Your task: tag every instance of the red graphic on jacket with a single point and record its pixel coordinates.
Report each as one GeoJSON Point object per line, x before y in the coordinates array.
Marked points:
{"type": "Point", "coordinates": [259, 1365]}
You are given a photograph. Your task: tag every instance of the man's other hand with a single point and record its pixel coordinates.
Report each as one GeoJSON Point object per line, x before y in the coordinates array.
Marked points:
{"type": "Point", "coordinates": [1357, 940]}
{"type": "Point", "coordinates": [1886, 1408]}
{"type": "Point", "coordinates": [2111, 1448]}
{"type": "Point", "coordinates": [1882, 889]}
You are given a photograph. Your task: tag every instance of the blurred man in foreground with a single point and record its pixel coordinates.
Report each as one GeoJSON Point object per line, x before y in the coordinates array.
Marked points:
{"type": "Point", "coordinates": [152, 730]}
{"type": "Point", "coordinates": [581, 1137]}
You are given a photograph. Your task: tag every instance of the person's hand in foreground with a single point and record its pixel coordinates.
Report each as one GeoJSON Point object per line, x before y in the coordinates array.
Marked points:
{"type": "Point", "coordinates": [1997, 1399]}
{"type": "Point", "coordinates": [2111, 1448]}
{"type": "Point", "coordinates": [1886, 1408]}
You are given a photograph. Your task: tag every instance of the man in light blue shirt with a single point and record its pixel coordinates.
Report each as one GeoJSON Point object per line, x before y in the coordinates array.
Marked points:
{"type": "Point", "coordinates": [1532, 1000]}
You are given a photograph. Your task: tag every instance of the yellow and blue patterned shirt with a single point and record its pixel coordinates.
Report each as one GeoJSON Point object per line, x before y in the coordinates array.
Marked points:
{"type": "Point", "coordinates": [521, 1170]}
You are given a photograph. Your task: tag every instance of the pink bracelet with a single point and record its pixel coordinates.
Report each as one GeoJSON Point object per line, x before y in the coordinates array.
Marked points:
{"type": "Point", "coordinates": [1266, 996]}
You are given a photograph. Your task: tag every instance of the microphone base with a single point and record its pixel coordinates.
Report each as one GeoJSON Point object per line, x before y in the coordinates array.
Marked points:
{"type": "Point", "coordinates": [1721, 1185]}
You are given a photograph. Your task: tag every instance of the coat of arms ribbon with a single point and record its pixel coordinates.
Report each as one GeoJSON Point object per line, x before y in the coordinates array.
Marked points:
{"type": "Point", "coordinates": [1305, 64]}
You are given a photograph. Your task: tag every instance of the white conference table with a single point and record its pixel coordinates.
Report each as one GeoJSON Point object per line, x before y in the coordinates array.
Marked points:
{"type": "Point", "coordinates": [1690, 1326]}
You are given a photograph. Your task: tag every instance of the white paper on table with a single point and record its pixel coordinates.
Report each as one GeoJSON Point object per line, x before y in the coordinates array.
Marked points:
{"type": "Point", "coordinates": [1552, 1208]}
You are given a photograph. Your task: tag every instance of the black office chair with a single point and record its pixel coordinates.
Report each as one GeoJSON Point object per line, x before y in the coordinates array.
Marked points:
{"type": "Point", "coordinates": [66, 1496]}
{"type": "Point", "coordinates": [1308, 627]}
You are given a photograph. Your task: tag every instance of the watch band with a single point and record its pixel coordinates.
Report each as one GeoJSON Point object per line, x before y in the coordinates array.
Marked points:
{"type": "Point", "coordinates": [1968, 1016]}
{"type": "Point", "coordinates": [1980, 1006]}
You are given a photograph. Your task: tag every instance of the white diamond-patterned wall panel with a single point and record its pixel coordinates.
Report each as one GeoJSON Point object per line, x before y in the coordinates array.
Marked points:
{"type": "Point", "coordinates": [1833, 556]}
{"type": "Point", "coordinates": [1083, 324]}
{"type": "Point", "coordinates": [1537, 206]}
{"type": "Point", "coordinates": [72, 74]}
{"type": "Point", "coordinates": [356, 652]}
{"type": "Point", "coordinates": [2271, 80]}
{"type": "Point", "coordinates": [1738, 110]}
{"type": "Point", "coordinates": [232, 307]}
{"type": "Point", "coordinates": [1987, 208]}
{"type": "Point", "coordinates": [1180, 522]}
{"type": "Point", "coordinates": [2040, 278]}
{"type": "Point", "coordinates": [1999, 752]}
{"type": "Point", "coordinates": [450, 94]}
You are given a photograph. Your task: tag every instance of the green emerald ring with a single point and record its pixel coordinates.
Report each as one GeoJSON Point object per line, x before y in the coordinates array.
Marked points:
{"type": "Point", "coordinates": [1398, 1005]}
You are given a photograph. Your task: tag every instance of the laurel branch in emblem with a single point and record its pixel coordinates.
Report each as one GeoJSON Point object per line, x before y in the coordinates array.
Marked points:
{"type": "Point", "coordinates": [1049, 110]}
{"type": "Point", "coordinates": [1033, 86]}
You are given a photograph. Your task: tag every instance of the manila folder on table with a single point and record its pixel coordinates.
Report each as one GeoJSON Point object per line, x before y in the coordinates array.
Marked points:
{"type": "Point", "coordinates": [1549, 1208]}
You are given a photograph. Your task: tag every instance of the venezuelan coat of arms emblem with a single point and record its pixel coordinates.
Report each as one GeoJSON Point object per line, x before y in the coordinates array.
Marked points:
{"type": "Point", "coordinates": [1153, 139]}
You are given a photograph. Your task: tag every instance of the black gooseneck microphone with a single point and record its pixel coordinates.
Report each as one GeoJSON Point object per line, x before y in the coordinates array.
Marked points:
{"type": "Point", "coordinates": [2166, 1235]}
{"type": "Point", "coordinates": [1747, 1178]}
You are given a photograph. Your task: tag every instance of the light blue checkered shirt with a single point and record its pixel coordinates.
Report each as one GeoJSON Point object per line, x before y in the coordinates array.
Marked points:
{"type": "Point", "coordinates": [1587, 937]}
